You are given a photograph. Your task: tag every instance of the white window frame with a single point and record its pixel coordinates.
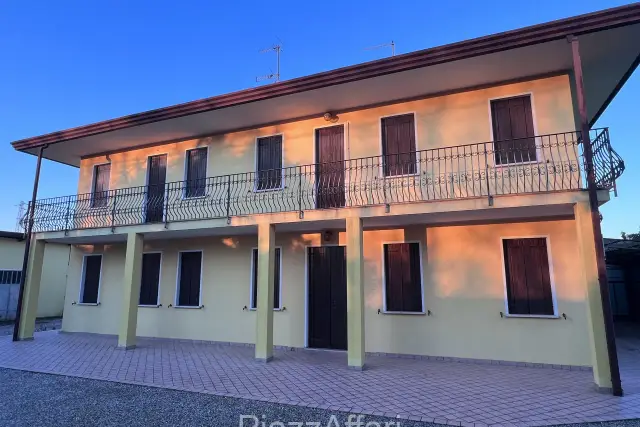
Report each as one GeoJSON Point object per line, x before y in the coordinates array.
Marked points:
{"type": "Point", "coordinates": [94, 176]}
{"type": "Point", "coordinates": [159, 280]}
{"type": "Point", "coordinates": [82, 280]}
{"type": "Point", "coordinates": [381, 145]}
{"type": "Point", "coordinates": [535, 129]}
{"type": "Point", "coordinates": [251, 284]}
{"type": "Point", "coordinates": [255, 164]}
{"type": "Point", "coordinates": [551, 278]}
{"type": "Point", "coordinates": [384, 279]}
{"type": "Point", "coordinates": [186, 164]}
{"type": "Point", "coordinates": [177, 293]}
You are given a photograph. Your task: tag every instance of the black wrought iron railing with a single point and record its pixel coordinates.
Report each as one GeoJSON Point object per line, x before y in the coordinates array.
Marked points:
{"type": "Point", "coordinates": [543, 163]}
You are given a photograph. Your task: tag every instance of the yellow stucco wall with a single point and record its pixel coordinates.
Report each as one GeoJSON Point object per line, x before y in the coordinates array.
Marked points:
{"type": "Point", "coordinates": [451, 120]}
{"type": "Point", "coordinates": [54, 273]}
{"type": "Point", "coordinates": [463, 287]}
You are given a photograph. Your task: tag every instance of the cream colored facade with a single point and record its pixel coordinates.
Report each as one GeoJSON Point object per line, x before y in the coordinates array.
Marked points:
{"type": "Point", "coordinates": [462, 268]}
{"type": "Point", "coordinates": [51, 298]}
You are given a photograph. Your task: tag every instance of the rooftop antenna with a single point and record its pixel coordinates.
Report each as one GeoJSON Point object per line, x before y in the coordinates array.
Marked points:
{"type": "Point", "coordinates": [392, 44]}
{"type": "Point", "coordinates": [273, 76]}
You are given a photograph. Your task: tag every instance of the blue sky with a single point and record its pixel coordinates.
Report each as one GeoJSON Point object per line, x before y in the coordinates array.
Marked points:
{"type": "Point", "coordinates": [70, 63]}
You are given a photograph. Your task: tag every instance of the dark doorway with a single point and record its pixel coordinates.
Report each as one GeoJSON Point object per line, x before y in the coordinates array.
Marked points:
{"type": "Point", "coordinates": [327, 297]}
{"type": "Point", "coordinates": [513, 133]}
{"type": "Point", "coordinates": [157, 176]}
{"type": "Point", "coordinates": [330, 167]}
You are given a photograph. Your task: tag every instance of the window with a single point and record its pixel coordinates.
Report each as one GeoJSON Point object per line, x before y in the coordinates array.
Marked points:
{"type": "Point", "coordinates": [100, 186]}
{"type": "Point", "coordinates": [276, 279]}
{"type": "Point", "coordinates": [189, 279]}
{"type": "Point", "coordinates": [196, 172]}
{"type": "Point", "coordinates": [10, 277]}
{"type": "Point", "coordinates": [403, 279]}
{"type": "Point", "coordinates": [269, 162]}
{"type": "Point", "coordinates": [526, 265]}
{"type": "Point", "coordinates": [150, 278]}
{"type": "Point", "coordinates": [91, 270]}
{"type": "Point", "coordinates": [513, 133]}
{"type": "Point", "coordinates": [399, 145]}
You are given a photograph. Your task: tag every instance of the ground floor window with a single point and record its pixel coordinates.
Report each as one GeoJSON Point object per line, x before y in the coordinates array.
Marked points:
{"type": "Point", "coordinates": [528, 278]}
{"type": "Point", "coordinates": [189, 279]}
{"type": "Point", "coordinates": [276, 279]}
{"type": "Point", "coordinates": [91, 272]}
{"type": "Point", "coordinates": [150, 281]}
{"type": "Point", "coordinates": [402, 277]}
{"type": "Point", "coordinates": [10, 277]}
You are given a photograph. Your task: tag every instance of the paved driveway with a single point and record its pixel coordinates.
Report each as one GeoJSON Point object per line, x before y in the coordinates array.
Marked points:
{"type": "Point", "coordinates": [434, 391]}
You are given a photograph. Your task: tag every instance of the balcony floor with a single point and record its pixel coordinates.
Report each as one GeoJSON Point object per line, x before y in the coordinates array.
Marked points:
{"type": "Point", "coordinates": [435, 391]}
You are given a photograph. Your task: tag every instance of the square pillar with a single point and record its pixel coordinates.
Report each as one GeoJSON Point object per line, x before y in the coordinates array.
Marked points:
{"type": "Point", "coordinates": [595, 314]}
{"type": "Point", "coordinates": [265, 284]}
{"type": "Point", "coordinates": [31, 290]}
{"type": "Point", "coordinates": [355, 294]}
{"type": "Point", "coordinates": [131, 291]}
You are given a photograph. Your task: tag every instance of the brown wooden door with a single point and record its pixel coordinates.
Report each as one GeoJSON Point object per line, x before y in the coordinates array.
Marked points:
{"type": "Point", "coordinates": [327, 305]}
{"type": "Point", "coordinates": [513, 131]}
{"type": "Point", "coordinates": [399, 145]}
{"type": "Point", "coordinates": [155, 188]}
{"type": "Point", "coordinates": [330, 167]}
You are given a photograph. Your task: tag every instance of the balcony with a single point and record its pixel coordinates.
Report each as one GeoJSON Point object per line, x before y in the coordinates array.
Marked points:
{"type": "Point", "coordinates": [544, 163]}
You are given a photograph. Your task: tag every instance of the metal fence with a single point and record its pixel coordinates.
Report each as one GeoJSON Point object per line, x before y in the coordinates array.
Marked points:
{"type": "Point", "coordinates": [543, 163]}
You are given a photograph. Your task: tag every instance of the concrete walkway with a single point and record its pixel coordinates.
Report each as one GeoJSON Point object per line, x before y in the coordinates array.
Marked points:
{"type": "Point", "coordinates": [434, 391]}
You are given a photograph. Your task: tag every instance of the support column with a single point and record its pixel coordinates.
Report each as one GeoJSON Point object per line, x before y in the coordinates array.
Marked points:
{"type": "Point", "coordinates": [131, 296]}
{"type": "Point", "coordinates": [264, 305]}
{"type": "Point", "coordinates": [355, 294]}
{"type": "Point", "coordinates": [595, 313]}
{"type": "Point", "coordinates": [31, 290]}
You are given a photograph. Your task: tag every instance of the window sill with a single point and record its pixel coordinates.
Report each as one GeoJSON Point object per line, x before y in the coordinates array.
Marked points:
{"type": "Point", "coordinates": [275, 309]}
{"type": "Point", "coordinates": [532, 316]}
{"type": "Point", "coordinates": [406, 175]}
{"type": "Point", "coordinates": [404, 313]}
{"type": "Point", "coordinates": [88, 304]}
{"type": "Point", "coordinates": [189, 307]}
{"type": "Point", "coordinates": [150, 305]}
{"type": "Point", "coordinates": [510, 165]}
{"type": "Point", "coordinates": [193, 197]}
{"type": "Point", "coordinates": [268, 190]}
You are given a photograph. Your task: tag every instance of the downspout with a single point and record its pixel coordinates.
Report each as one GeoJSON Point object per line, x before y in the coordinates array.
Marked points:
{"type": "Point", "coordinates": [27, 245]}
{"type": "Point", "coordinates": [595, 220]}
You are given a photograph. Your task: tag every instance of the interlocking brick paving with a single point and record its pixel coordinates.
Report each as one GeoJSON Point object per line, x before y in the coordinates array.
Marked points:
{"type": "Point", "coordinates": [436, 391]}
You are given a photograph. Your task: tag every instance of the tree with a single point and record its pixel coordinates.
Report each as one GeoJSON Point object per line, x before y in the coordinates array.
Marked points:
{"type": "Point", "coordinates": [630, 236]}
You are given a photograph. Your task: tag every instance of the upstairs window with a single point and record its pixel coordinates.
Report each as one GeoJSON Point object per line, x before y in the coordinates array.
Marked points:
{"type": "Point", "coordinates": [399, 145]}
{"type": "Point", "coordinates": [403, 280]}
{"type": "Point", "coordinates": [528, 279]}
{"type": "Point", "coordinates": [269, 162]}
{"type": "Point", "coordinates": [276, 279]}
{"type": "Point", "coordinates": [100, 185]}
{"type": "Point", "coordinates": [196, 173]}
{"type": "Point", "coordinates": [513, 134]}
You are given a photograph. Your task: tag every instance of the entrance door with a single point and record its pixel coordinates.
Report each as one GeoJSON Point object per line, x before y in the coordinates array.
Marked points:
{"type": "Point", "coordinates": [327, 297]}
{"type": "Point", "coordinates": [157, 176]}
{"type": "Point", "coordinates": [330, 167]}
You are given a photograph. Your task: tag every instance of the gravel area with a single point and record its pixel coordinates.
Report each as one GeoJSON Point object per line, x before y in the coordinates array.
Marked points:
{"type": "Point", "coordinates": [53, 400]}
{"type": "Point", "coordinates": [6, 328]}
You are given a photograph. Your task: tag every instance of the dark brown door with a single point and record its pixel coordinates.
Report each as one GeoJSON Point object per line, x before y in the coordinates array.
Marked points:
{"type": "Point", "coordinates": [330, 167]}
{"type": "Point", "coordinates": [327, 297]}
{"type": "Point", "coordinates": [399, 145]}
{"type": "Point", "coordinates": [155, 188]}
{"type": "Point", "coordinates": [513, 132]}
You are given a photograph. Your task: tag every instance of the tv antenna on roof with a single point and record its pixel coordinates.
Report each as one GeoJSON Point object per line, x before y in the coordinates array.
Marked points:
{"type": "Point", "coordinates": [273, 76]}
{"type": "Point", "coordinates": [392, 44]}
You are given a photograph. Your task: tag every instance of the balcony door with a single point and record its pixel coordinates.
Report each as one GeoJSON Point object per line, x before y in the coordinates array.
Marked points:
{"type": "Point", "coordinates": [513, 132]}
{"type": "Point", "coordinates": [156, 180]}
{"type": "Point", "coordinates": [330, 167]}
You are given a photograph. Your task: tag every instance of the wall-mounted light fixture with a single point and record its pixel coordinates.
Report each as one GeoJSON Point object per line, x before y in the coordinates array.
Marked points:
{"type": "Point", "coordinates": [331, 117]}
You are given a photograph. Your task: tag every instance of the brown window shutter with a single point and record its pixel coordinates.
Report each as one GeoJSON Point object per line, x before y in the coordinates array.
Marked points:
{"type": "Point", "coordinates": [513, 133]}
{"type": "Point", "coordinates": [276, 279]}
{"type": "Point", "coordinates": [91, 281]}
{"type": "Point", "coordinates": [528, 277]}
{"type": "Point", "coordinates": [196, 172]}
{"type": "Point", "coordinates": [402, 277]}
{"type": "Point", "coordinates": [100, 190]}
{"type": "Point", "coordinates": [269, 162]}
{"type": "Point", "coordinates": [150, 279]}
{"type": "Point", "coordinates": [399, 145]}
{"type": "Point", "coordinates": [190, 275]}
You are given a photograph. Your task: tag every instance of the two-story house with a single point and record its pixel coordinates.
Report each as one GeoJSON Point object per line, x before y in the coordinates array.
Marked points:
{"type": "Point", "coordinates": [433, 203]}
